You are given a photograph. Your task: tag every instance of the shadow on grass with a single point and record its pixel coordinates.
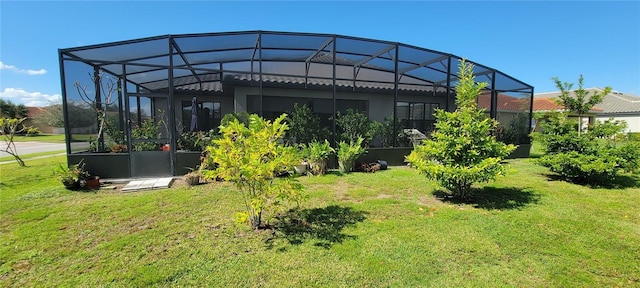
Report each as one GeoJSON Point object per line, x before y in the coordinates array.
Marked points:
{"type": "Point", "coordinates": [323, 225]}
{"type": "Point", "coordinates": [491, 198]}
{"type": "Point", "coordinates": [621, 181]}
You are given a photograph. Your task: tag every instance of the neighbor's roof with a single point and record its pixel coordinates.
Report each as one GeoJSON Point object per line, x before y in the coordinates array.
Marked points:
{"type": "Point", "coordinates": [614, 102]}
{"type": "Point", "coordinates": [550, 104]}
{"type": "Point", "coordinates": [505, 102]}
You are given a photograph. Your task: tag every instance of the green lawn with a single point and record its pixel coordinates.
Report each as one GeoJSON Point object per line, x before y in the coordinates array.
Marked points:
{"type": "Point", "coordinates": [50, 138]}
{"type": "Point", "coordinates": [385, 229]}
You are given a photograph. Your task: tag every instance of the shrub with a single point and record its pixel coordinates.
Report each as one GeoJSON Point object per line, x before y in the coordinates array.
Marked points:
{"type": "Point", "coordinates": [593, 156]}
{"type": "Point", "coordinates": [517, 132]}
{"type": "Point", "coordinates": [318, 153]}
{"type": "Point", "coordinates": [305, 126]}
{"type": "Point", "coordinates": [353, 125]}
{"type": "Point", "coordinates": [462, 150]}
{"type": "Point", "coordinates": [634, 136]}
{"type": "Point", "coordinates": [251, 156]}
{"type": "Point", "coordinates": [348, 153]}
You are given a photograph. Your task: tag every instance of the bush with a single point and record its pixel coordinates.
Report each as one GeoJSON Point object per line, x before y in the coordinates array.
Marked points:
{"type": "Point", "coordinates": [251, 156]}
{"type": "Point", "coordinates": [353, 125]}
{"type": "Point", "coordinates": [318, 153]}
{"type": "Point", "coordinates": [593, 156]}
{"type": "Point", "coordinates": [348, 153]}
{"type": "Point", "coordinates": [305, 126]}
{"type": "Point", "coordinates": [634, 136]}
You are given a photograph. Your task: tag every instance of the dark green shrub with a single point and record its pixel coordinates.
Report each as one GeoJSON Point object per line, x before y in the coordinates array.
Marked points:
{"type": "Point", "coordinates": [305, 126]}
{"type": "Point", "coordinates": [517, 132]}
{"type": "Point", "coordinates": [353, 125]}
{"type": "Point", "coordinates": [593, 156]}
{"type": "Point", "coordinates": [195, 141]}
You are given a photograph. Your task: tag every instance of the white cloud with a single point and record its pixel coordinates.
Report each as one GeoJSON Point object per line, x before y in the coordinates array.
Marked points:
{"type": "Point", "coordinates": [15, 69]}
{"type": "Point", "coordinates": [20, 96]}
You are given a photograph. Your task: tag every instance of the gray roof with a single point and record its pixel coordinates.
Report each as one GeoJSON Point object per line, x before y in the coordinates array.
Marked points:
{"type": "Point", "coordinates": [613, 103]}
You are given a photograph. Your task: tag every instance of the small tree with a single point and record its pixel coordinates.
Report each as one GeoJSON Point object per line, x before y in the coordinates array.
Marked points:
{"type": "Point", "coordinates": [305, 126]}
{"type": "Point", "coordinates": [462, 150]}
{"type": "Point", "coordinates": [9, 128]}
{"type": "Point", "coordinates": [582, 103]}
{"type": "Point", "coordinates": [353, 125]}
{"type": "Point", "coordinates": [99, 100]}
{"type": "Point", "coordinates": [251, 157]}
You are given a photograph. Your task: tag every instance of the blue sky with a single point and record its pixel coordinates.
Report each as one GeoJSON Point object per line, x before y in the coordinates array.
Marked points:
{"type": "Point", "coordinates": [531, 41]}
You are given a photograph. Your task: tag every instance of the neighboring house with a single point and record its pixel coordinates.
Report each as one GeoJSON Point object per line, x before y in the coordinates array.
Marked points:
{"type": "Point", "coordinates": [32, 114]}
{"type": "Point", "coordinates": [616, 105]}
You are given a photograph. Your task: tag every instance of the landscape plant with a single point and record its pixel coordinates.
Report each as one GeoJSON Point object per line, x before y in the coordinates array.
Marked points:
{"type": "Point", "coordinates": [99, 97]}
{"type": "Point", "coordinates": [71, 176]}
{"type": "Point", "coordinates": [387, 137]}
{"type": "Point", "coordinates": [580, 102]}
{"type": "Point", "coordinates": [9, 129]}
{"type": "Point", "coordinates": [252, 157]}
{"type": "Point", "coordinates": [318, 153]}
{"type": "Point", "coordinates": [354, 124]}
{"type": "Point", "coordinates": [462, 150]}
{"type": "Point", "coordinates": [305, 126]}
{"type": "Point", "coordinates": [595, 156]}
{"type": "Point", "coordinates": [150, 129]}
{"type": "Point", "coordinates": [348, 153]}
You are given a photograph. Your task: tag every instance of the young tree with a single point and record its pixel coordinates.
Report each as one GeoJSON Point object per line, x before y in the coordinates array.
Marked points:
{"type": "Point", "coordinates": [305, 126]}
{"type": "Point", "coordinates": [9, 128]}
{"type": "Point", "coordinates": [251, 156]}
{"type": "Point", "coordinates": [462, 150]}
{"type": "Point", "coordinates": [354, 124]}
{"type": "Point", "coordinates": [582, 103]}
{"type": "Point", "coordinates": [99, 100]}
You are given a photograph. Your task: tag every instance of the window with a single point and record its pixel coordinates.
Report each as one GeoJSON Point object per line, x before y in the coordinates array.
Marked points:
{"type": "Point", "coordinates": [417, 115]}
{"type": "Point", "coordinates": [208, 116]}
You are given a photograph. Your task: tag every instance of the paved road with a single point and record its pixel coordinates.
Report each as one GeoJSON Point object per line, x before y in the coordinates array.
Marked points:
{"type": "Point", "coordinates": [25, 148]}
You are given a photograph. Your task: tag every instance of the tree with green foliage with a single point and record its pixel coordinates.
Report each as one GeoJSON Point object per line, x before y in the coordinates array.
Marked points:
{"type": "Point", "coordinates": [10, 110]}
{"type": "Point", "coordinates": [354, 124]}
{"type": "Point", "coordinates": [462, 149]}
{"type": "Point", "coordinates": [252, 156]}
{"type": "Point", "coordinates": [305, 126]}
{"type": "Point", "coordinates": [581, 103]}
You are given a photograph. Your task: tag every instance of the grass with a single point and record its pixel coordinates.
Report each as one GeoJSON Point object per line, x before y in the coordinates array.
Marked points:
{"type": "Point", "coordinates": [31, 156]}
{"type": "Point", "coordinates": [49, 138]}
{"type": "Point", "coordinates": [391, 228]}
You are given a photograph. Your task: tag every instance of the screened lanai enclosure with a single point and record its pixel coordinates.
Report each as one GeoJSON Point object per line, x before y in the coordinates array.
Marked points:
{"type": "Point", "coordinates": [133, 108]}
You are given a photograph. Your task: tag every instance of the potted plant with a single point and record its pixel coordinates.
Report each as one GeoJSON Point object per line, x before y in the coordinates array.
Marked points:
{"type": "Point", "coordinates": [319, 152]}
{"type": "Point", "coordinates": [348, 153]}
{"type": "Point", "coordinates": [193, 178]}
{"type": "Point", "coordinates": [71, 176]}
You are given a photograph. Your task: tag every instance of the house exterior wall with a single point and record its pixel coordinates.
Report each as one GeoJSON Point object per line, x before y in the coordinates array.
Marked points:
{"type": "Point", "coordinates": [633, 121]}
{"type": "Point", "coordinates": [379, 106]}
